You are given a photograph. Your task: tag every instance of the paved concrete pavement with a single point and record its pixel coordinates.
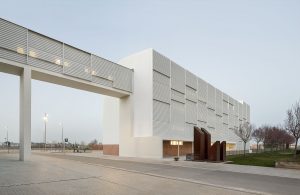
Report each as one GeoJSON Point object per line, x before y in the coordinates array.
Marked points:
{"type": "Point", "coordinates": [76, 174]}
{"type": "Point", "coordinates": [47, 175]}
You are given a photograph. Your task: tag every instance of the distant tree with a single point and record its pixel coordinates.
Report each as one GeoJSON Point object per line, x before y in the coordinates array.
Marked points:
{"type": "Point", "coordinates": [93, 142]}
{"type": "Point", "coordinates": [292, 123]}
{"type": "Point", "coordinates": [244, 132]}
{"type": "Point", "coordinates": [258, 135]}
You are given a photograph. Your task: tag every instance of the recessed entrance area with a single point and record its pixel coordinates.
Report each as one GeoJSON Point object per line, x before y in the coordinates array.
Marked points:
{"type": "Point", "coordinates": [172, 150]}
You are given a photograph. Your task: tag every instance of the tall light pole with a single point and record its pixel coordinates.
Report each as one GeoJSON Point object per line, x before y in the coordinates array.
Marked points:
{"type": "Point", "coordinates": [45, 118]}
{"type": "Point", "coordinates": [62, 137]}
{"type": "Point", "coordinates": [5, 127]}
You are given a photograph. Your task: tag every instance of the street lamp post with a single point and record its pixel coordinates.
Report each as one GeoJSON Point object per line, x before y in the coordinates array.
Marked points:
{"type": "Point", "coordinates": [62, 137]}
{"type": "Point", "coordinates": [45, 122]}
{"type": "Point", "coordinates": [7, 140]}
{"type": "Point", "coordinates": [5, 127]}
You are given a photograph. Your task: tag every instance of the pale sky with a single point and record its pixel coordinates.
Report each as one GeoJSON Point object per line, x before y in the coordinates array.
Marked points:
{"type": "Point", "coordinates": [248, 49]}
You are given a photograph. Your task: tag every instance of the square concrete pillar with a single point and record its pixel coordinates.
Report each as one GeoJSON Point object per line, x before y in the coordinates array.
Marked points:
{"type": "Point", "coordinates": [25, 114]}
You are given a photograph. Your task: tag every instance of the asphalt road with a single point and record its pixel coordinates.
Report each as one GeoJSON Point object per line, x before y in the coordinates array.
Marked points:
{"type": "Point", "coordinates": [226, 179]}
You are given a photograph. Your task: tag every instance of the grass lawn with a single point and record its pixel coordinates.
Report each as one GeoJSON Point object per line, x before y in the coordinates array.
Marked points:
{"type": "Point", "coordinates": [265, 159]}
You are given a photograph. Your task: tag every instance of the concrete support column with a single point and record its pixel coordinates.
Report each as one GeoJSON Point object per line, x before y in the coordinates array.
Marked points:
{"type": "Point", "coordinates": [126, 140]}
{"type": "Point", "coordinates": [25, 114]}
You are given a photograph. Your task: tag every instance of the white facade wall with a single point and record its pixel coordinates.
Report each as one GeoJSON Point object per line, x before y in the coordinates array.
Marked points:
{"type": "Point", "coordinates": [168, 101]}
{"type": "Point", "coordinates": [181, 100]}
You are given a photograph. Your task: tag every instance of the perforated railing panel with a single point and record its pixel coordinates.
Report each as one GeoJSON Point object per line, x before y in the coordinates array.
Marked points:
{"type": "Point", "coordinates": [25, 46]}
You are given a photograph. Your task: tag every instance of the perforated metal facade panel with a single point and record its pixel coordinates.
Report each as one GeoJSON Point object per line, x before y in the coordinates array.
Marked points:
{"type": "Point", "coordinates": [191, 94]}
{"type": "Point", "coordinates": [45, 65]}
{"type": "Point", "coordinates": [45, 52]}
{"type": "Point", "coordinates": [102, 81]}
{"type": "Point", "coordinates": [219, 129]}
{"type": "Point", "coordinates": [191, 112]}
{"type": "Point", "coordinates": [177, 116]}
{"type": "Point", "coordinates": [202, 124]}
{"type": "Point", "coordinates": [175, 95]}
{"type": "Point", "coordinates": [225, 118]}
{"type": "Point", "coordinates": [11, 55]}
{"type": "Point", "coordinates": [103, 68]}
{"type": "Point", "coordinates": [202, 111]}
{"type": "Point", "coordinates": [76, 55]}
{"type": "Point", "coordinates": [13, 42]}
{"type": "Point", "coordinates": [225, 107]}
{"type": "Point", "coordinates": [42, 43]}
{"type": "Point", "coordinates": [19, 44]}
{"type": "Point", "coordinates": [240, 108]}
{"type": "Point", "coordinates": [231, 116]}
{"type": "Point", "coordinates": [225, 103]}
{"type": "Point", "coordinates": [236, 121]}
{"type": "Point", "coordinates": [211, 118]}
{"type": "Point", "coordinates": [248, 112]}
{"type": "Point", "coordinates": [244, 111]}
{"type": "Point", "coordinates": [191, 80]}
{"type": "Point", "coordinates": [189, 131]}
{"type": "Point", "coordinates": [219, 103]}
{"type": "Point", "coordinates": [13, 37]}
{"type": "Point", "coordinates": [211, 97]}
{"type": "Point", "coordinates": [123, 78]}
{"type": "Point", "coordinates": [225, 132]}
{"type": "Point", "coordinates": [161, 87]}
{"type": "Point", "coordinates": [77, 70]}
{"type": "Point", "coordinates": [77, 63]}
{"type": "Point", "coordinates": [161, 118]}
{"type": "Point", "coordinates": [202, 90]}
{"type": "Point", "coordinates": [161, 63]}
{"type": "Point", "coordinates": [236, 108]}
{"type": "Point", "coordinates": [177, 78]}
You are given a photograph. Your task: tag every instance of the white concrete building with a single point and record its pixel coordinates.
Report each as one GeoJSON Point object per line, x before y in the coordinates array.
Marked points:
{"type": "Point", "coordinates": [150, 99]}
{"type": "Point", "coordinates": [167, 102]}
